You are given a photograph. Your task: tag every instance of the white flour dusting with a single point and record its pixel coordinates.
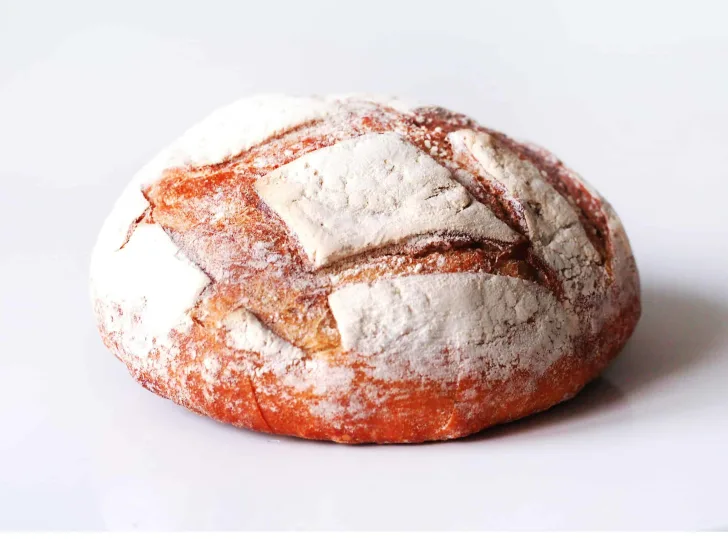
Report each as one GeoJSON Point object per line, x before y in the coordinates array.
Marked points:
{"type": "Point", "coordinates": [154, 285]}
{"type": "Point", "coordinates": [245, 332]}
{"type": "Point", "coordinates": [371, 191]}
{"type": "Point", "coordinates": [553, 225]}
{"type": "Point", "coordinates": [508, 322]}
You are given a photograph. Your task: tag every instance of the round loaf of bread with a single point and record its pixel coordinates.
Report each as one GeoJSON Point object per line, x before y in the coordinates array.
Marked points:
{"type": "Point", "coordinates": [360, 269]}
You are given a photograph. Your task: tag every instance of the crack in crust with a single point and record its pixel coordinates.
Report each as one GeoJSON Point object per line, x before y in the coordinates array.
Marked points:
{"type": "Point", "coordinates": [256, 400]}
{"type": "Point", "coordinates": [145, 217]}
{"type": "Point", "coordinates": [588, 207]}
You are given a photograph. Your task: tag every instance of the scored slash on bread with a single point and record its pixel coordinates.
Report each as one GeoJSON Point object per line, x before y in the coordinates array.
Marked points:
{"type": "Point", "coordinates": [361, 270]}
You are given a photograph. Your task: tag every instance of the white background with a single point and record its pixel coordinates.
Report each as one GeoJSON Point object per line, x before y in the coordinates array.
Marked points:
{"type": "Point", "coordinates": [634, 95]}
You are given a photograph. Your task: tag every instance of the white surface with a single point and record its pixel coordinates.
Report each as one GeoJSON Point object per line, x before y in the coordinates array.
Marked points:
{"type": "Point", "coordinates": [515, 322]}
{"type": "Point", "coordinates": [151, 278]}
{"type": "Point", "coordinates": [245, 332]}
{"type": "Point", "coordinates": [631, 94]}
{"type": "Point", "coordinates": [325, 198]}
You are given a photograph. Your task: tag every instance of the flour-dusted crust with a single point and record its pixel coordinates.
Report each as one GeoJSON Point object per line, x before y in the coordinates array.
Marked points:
{"type": "Point", "coordinates": [518, 323]}
{"type": "Point", "coordinates": [361, 269]}
{"type": "Point", "coordinates": [327, 200]}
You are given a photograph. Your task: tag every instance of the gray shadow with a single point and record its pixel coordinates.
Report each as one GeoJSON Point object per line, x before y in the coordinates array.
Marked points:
{"type": "Point", "coordinates": [677, 332]}
{"type": "Point", "coordinates": [597, 396]}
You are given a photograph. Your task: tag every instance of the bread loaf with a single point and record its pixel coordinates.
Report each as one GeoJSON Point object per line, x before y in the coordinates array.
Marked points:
{"type": "Point", "coordinates": [361, 269]}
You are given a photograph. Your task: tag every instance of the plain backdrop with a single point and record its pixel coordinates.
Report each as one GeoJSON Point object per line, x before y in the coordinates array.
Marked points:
{"type": "Point", "coordinates": [634, 95]}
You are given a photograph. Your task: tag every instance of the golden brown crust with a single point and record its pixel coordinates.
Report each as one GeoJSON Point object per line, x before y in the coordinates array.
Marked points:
{"type": "Point", "coordinates": [215, 216]}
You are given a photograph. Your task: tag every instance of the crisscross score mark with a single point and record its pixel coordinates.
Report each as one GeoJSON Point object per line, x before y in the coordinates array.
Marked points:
{"type": "Point", "coordinates": [220, 223]}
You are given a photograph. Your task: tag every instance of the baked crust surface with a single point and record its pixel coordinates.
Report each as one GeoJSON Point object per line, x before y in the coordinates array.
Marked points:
{"type": "Point", "coordinates": [361, 270]}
